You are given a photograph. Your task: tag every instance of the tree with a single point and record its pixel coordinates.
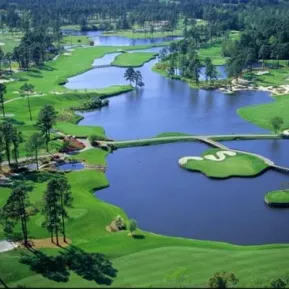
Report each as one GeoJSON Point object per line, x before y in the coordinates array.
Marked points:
{"type": "Point", "coordinates": [7, 130]}
{"type": "Point", "coordinates": [66, 201]}
{"type": "Point", "coordinates": [16, 139]}
{"type": "Point", "coordinates": [57, 198]}
{"type": "Point", "coordinates": [138, 79]}
{"type": "Point", "coordinates": [15, 210]}
{"type": "Point", "coordinates": [52, 210]}
{"type": "Point", "coordinates": [276, 123]}
{"type": "Point", "coordinates": [278, 284]}
{"type": "Point", "coordinates": [2, 92]}
{"type": "Point", "coordinates": [132, 226]}
{"type": "Point", "coordinates": [33, 144]}
{"type": "Point", "coordinates": [222, 280]}
{"type": "Point", "coordinates": [211, 71]}
{"type": "Point", "coordinates": [25, 90]}
{"type": "Point", "coordinates": [2, 55]}
{"type": "Point", "coordinates": [46, 120]}
{"type": "Point", "coordinates": [129, 75]}
{"type": "Point", "coordinates": [9, 57]}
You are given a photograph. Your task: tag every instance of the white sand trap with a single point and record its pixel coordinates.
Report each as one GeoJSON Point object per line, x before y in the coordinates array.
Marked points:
{"type": "Point", "coordinates": [261, 72]}
{"type": "Point", "coordinates": [2, 43]}
{"type": "Point", "coordinates": [221, 156]}
{"type": "Point", "coordinates": [184, 160]}
{"type": "Point", "coordinates": [286, 132]}
{"type": "Point", "coordinates": [67, 54]}
{"type": "Point", "coordinates": [6, 246]}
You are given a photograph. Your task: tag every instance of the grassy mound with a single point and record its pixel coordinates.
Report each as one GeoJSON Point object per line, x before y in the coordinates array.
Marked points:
{"type": "Point", "coordinates": [277, 198]}
{"type": "Point", "coordinates": [241, 165]}
{"type": "Point", "coordinates": [261, 115]}
{"type": "Point", "coordinates": [135, 59]}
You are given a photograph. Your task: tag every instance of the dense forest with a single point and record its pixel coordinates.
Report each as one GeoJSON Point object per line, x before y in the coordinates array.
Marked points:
{"type": "Point", "coordinates": [264, 30]}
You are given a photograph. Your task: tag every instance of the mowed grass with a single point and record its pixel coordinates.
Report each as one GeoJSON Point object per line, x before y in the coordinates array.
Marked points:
{"type": "Point", "coordinates": [242, 165]}
{"type": "Point", "coordinates": [135, 59]}
{"type": "Point", "coordinates": [277, 197]}
{"type": "Point", "coordinates": [261, 115]}
{"type": "Point", "coordinates": [214, 52]}
{"type": "Point", "coordinates": [79, 131]}
{"type": "Point", "coordinates": [275, 77]}
{"type": "Point", "coordinates": [94, 156]}
{"type": "Point", "coordinates": [10, 41]}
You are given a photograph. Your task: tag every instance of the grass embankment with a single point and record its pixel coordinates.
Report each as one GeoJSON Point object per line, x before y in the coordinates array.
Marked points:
{"type": "Point", "coordinates": [136, 59]}
{"type": "Point", "coordinates": [133, 258]}
{"type": "Point", "coordinates": [278, 198]}
{"type": "Point", "coordinates": [142, 35]}
{"type": "Point", "coordinates": [241, 165]}
{"type": "Point", "coordinates": [75, 39]}
{"type": "Point", "coordinates": [261, 115]}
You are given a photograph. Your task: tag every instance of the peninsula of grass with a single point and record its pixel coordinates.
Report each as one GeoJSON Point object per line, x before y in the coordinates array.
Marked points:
{"type": "Point", "coordinates": [240, 165]}
{"type": "Point", "coordinates": [262, 114]}
{"type": "Point", "coordinates": [135, 59]}
{"type": "Point", "coordinates": [278, 199]}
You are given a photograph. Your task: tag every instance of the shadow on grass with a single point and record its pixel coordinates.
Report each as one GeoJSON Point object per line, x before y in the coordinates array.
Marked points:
{"type": "Point", "coordinates": [53, 268]}
{"type": "Point", "coordinates": [14, 121]}
{"type": "Point", "coordinates": [46, 68]}
{"type": "Point", "coordinates": [89, 266]}
{"type": "Point", "coordinates": [139, 237]}
{"type": "Point", "coordinates": [34, 75]}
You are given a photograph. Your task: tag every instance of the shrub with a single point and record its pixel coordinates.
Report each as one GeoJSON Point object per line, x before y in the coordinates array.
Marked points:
{"type": "Point", "coordinates": [94, 137]}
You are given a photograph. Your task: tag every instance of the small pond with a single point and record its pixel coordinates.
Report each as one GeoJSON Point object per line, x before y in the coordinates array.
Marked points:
{"type": "Point", "coordinates": [110, 40]}
{"type": "Point", "coordinates": [75, 166]}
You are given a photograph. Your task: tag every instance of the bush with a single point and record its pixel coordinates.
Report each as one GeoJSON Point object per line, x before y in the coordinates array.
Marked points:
{"type": "Point", "coordinates": [94, 137]}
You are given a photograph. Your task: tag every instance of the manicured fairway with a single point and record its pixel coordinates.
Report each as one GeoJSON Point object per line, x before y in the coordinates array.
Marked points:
{"type": "Point", "coordinates": [262, 114]}
{"type": "Point", "coordinates": [135, 59]}
{"type": "Point", "coordinates": [238, 165]}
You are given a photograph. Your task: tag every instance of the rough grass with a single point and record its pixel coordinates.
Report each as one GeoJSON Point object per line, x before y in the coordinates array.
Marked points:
{"type": "Point", "coordinates": [277, 197]}
{"type": "Point", "coordinates": [242, 165]}
{"type": "Point", "coordinates": [135, 59]}
{"type": "Point", "coordinates": [261, 115]}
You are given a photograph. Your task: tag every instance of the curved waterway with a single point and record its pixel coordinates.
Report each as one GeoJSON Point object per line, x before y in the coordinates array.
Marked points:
{"type": "Point", "coordinates": [154, 190]}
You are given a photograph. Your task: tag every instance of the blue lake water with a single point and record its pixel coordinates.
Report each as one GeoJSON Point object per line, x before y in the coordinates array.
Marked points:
{"type": "Point", "coordinates": [154, 190]}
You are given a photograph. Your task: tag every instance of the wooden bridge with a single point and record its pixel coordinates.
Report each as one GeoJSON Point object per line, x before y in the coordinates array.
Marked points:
{"type": "Point", "coordinates": [101, 66]}
{"type": "Point", "coordinates": [280, 169]}
{"type": "Point", "coordinates": [212, 143]}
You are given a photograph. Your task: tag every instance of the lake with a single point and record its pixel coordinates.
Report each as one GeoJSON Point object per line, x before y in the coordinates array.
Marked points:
{"type": "Point", "coordinates": [153, 189]}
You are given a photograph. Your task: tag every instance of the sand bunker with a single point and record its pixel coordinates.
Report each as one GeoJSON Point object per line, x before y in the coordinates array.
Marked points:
{"type": "Point", "coordinates": [2, 43]}
{"type": "Point", "coordinates": [286, 132]}
{"type": "Point", "coordinates": [261, 72]}
{"type": "Point", "coordinates": [220, 156]}
{"type": "Point", "coordinates": [67, 54]}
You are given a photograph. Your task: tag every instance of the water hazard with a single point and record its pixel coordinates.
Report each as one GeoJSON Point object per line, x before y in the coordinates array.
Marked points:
{"type": "Point", "coordinates": [154, 190]}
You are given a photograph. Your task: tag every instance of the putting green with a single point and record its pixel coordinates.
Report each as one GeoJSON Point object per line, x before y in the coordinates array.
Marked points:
{"type": "Point", "coordinates": [218, 163]}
